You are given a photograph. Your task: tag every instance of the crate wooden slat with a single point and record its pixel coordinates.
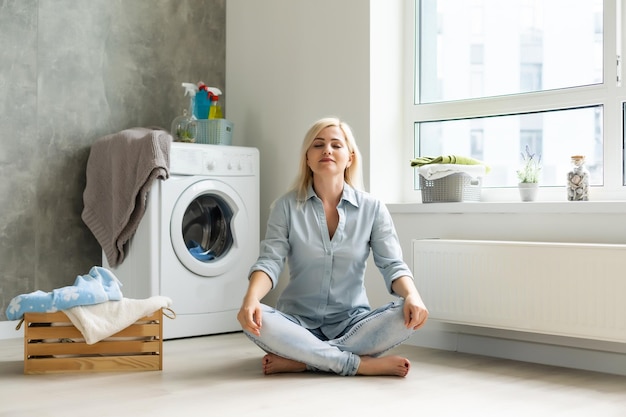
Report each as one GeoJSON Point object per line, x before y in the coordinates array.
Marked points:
{"type": "Point", "coordinates": [94, 364]}
{"type": "Point", "coordinates": [71, 332]}
{"type": "Point", "coordinates": [53, 345]}
{"type": "Point", "coordinates": [100, 348]}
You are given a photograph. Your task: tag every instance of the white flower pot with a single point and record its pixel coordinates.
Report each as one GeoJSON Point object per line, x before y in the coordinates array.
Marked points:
{"type": "Point", "coordinates": [528, 190]}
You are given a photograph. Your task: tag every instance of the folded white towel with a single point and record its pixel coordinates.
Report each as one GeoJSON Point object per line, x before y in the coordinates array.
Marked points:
{"type": "Point", "coordinates": [436, 171]}
{"type": "Point", "coordinates": [99, 321]}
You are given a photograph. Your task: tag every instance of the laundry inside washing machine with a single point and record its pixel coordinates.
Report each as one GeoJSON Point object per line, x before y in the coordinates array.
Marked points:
{"type": "Point", "coordinates": [206, 228]}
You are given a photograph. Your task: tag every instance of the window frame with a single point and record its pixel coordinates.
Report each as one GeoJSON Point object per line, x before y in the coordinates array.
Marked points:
{"type": "Point", "coordinates": [611, 94]}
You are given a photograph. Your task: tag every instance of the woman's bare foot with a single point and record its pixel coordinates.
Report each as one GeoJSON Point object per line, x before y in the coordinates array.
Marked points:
{"type": "Point", "coordinates": [274, 364]}
{"type": "Point", "coordinates": [386, 365]}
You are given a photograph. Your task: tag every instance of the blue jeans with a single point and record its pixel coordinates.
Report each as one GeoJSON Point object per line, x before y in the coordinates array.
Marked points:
{"type": "Point", "coordinates": [372, 335]}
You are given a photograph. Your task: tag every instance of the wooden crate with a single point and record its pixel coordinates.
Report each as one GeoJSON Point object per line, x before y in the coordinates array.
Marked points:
{"type": "Point", "coordinates": [53, 345]}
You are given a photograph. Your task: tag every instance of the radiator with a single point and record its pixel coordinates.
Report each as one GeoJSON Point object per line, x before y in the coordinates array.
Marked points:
{"type": "Point", "coordinates": [565, 289]}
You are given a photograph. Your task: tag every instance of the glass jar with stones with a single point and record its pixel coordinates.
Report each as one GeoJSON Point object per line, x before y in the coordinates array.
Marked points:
{"type": "Point", "coordinates": [578, 180]}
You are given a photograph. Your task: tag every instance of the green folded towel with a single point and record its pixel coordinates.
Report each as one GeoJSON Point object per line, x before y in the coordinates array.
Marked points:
{"type": "Point", "coordinates": [447, 159]}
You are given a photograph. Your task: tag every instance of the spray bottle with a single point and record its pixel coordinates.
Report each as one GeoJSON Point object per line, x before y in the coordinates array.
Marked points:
{"type": "Point", "coordinates": [206, 98]}
{"type": "Point", "coordinates": [215, 110]}
{"type": "Point", "coordinates": [190, 90]}
{"type": "Point", "coordinates": [184, 128]}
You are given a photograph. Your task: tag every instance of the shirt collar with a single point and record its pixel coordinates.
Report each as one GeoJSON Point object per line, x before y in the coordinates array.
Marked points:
{"type": "Point", "coordinates": [349, 194]}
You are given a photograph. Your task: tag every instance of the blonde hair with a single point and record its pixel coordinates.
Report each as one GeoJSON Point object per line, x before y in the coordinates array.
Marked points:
{"type": "Point", "coordinates": [352, 175]}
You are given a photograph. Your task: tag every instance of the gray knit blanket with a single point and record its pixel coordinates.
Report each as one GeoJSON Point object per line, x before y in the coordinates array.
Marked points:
{"type": "Point", "coordinates": [120, 171]}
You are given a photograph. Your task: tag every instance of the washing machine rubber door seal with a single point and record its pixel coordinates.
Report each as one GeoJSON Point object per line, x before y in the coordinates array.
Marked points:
{"type": "Point", "coordinates": [238, 227]}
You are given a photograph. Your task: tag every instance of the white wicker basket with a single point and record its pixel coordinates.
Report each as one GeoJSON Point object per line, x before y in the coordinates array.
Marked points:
{"type": "Point", "coordinates": [214, 131]}
{"type": "Point", "coordinates": [452, 188]}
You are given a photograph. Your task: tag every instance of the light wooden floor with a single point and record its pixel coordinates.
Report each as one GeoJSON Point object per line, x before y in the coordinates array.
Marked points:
{"type": "Point", "coordinates": [221, 376]}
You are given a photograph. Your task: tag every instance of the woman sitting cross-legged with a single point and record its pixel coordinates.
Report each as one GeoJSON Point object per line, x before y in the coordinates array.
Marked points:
{"type": "Point", "coordinates": [325, 228]}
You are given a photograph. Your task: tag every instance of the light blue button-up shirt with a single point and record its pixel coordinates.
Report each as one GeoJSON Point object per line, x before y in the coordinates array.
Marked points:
{"type": "Point", "coordinates": [326, 289]}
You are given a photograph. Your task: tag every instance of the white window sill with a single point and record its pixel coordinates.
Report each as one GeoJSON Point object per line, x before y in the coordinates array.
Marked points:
{"type": "Point", "coordinates": [565, 207]}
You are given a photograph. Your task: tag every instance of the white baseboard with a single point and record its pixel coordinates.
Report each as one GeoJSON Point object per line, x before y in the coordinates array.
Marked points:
{"type": "Point", "coordinates": [7, 330]}
{"type": "Point", "coordinates": [589, 355]}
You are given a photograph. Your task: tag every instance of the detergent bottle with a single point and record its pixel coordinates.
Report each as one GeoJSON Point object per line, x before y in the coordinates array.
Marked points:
{"type": "Point", "coordinates": [215, 111]}
{"type": "Point", "coordinates": [203, 100]}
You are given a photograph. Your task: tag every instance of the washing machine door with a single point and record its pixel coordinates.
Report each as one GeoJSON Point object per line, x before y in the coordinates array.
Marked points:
{"type": "Point", "coordinates": [208, 226]}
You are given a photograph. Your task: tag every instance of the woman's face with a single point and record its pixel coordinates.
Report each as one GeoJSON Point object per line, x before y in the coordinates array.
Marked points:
{"type": "Point", "coordinates": [329, 153]}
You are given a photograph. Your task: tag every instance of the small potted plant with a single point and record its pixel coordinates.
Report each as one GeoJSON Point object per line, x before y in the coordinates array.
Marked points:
{"type": "Point", "coordinates": [528, 175]}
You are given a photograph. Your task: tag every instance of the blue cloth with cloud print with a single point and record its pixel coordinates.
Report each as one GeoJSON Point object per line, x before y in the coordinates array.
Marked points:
{"type": "Point", "coordinates": [98, 286]}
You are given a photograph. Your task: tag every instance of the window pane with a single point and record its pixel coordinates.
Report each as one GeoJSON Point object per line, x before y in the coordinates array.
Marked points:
{"type": "Point", "coordinates": [500, 140]}
{"type": "Point", "coordinates": [482, 48]}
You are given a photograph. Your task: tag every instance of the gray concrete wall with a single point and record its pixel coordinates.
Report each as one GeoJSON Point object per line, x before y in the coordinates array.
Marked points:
{"type": "Point", "coordinates": [72, 71]}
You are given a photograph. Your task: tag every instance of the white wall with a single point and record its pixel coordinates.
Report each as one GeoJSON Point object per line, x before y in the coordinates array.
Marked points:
{"type": "Point", "coordinates": [290, 62]}
{"type": "Point", "coordinates": [390, 151]}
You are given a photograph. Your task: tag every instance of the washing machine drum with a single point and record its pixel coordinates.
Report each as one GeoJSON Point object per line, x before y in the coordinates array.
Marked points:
{"type": "Point", "coordinates": [206, 228]}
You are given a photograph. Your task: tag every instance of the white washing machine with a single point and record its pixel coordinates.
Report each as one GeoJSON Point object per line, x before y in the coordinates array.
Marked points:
{"type": "Point", "coordinates": [197, 239]}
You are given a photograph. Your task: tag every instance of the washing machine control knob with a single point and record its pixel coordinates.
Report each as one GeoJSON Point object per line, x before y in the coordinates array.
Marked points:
{"type": "Point", "coordinates": [210, 165]}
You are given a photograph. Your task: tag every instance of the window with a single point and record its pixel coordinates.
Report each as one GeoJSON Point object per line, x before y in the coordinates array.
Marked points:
{"type": "Point", "coordinates": [494, 76]}
{"type": "Point", "coordinates": [500, 141]}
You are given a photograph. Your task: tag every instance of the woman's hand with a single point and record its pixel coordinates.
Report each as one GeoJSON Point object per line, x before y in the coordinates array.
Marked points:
{"type": "Point", "coordinates": [415, 312]}
{"type": "Point", "coordinates": [250, 316]}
